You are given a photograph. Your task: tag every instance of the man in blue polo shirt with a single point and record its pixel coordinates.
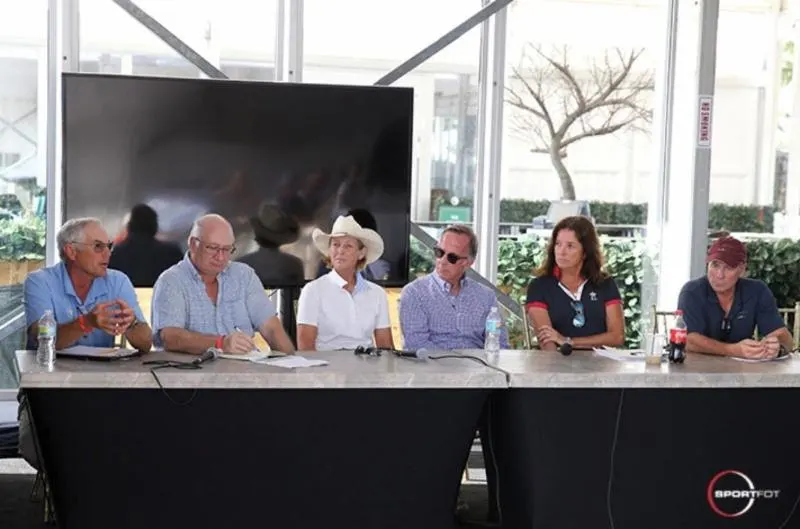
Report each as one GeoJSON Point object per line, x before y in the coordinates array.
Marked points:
{"type": "Point", "coordinates": [91, 304]}
{"type": "Point", "coordinates": [723, 309]}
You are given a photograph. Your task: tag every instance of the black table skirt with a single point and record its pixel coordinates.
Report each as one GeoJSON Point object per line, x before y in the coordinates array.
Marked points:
{"type": "Point", "coordinates": [244, 459]}
{"type": "Point", "coordinates": [554, 453]}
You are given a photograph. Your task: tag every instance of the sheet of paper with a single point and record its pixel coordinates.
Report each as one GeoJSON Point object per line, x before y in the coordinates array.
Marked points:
{"type": "Point", "coordinates": [252, 356]}
{"type": "Point", "coordinates": [292, 361]}
{"type": "Point", "coordinates": [759, 360]}
{"type": "Point", "coordinates": [620, 355]}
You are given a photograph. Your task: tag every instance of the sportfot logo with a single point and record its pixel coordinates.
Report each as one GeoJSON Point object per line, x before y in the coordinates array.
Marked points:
{"type": "Point", "coordinates": [731, 493]}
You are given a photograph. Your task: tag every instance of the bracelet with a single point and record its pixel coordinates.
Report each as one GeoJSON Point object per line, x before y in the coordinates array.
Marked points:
{"type": "Point", "coordinates": [85, 327]}
{"type": "Point", "coordinates": [218, 343]}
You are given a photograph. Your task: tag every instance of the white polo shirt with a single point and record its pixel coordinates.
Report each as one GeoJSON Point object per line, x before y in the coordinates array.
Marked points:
{"type": "Point", "coordinates": [343, 320]}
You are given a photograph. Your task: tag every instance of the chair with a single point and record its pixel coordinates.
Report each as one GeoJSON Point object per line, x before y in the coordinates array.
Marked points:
{"type": "Point", "coordinates": [662, 320]}
{"type": "Point", "coordinates": [791, 317]}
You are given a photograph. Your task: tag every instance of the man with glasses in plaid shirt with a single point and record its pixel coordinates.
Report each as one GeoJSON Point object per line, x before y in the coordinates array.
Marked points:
{"type": "Point", "coordinates": [723, 309]}
{"type": "Point", "coordinates": [206, 301]}
{"type": "Point", "coordinates": [446, 309]}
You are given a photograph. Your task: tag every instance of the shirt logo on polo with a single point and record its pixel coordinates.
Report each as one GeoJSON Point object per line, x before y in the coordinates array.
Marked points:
{"type": "Point", "coordinates": [593, 296]}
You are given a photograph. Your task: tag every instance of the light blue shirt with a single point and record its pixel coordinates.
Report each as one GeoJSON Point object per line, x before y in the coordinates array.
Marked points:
{"type": "Point", "coordinates": [180, 300]}
{"type": "Point", "coordinates": [51, 288]}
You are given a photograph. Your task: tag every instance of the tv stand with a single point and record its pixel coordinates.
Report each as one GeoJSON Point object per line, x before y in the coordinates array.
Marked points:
{"type": "Point", "coordinates": [288, 298]}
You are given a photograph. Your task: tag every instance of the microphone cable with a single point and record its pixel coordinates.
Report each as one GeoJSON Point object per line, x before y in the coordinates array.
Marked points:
{"type": "Point", "coordinates": [162, 364]}
{"type": "Point", "coordinates": [468, 357]}
{"type": "Point", "coordinates": [614, 442]}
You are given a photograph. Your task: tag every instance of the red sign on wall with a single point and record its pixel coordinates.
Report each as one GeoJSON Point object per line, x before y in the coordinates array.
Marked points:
{"type": "Point", "coordinates": [705, 107]}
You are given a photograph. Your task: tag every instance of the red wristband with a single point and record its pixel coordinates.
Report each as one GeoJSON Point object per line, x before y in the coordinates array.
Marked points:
{"type": "Point", "coordinates": [218, 343]}
{"type": "Point", "coordinates": [85, 327]}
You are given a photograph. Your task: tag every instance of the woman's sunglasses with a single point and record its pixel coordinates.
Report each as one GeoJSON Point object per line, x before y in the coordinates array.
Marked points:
{"type": "Point", "coordinates": [451, 257]}
{"type": "Point", "coordinates": [579, 320]}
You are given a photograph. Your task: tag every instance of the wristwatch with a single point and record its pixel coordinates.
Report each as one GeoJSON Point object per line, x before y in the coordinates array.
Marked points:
{"type": "Point", "coordinates": [782, 351]}
{"type": "Point", "coordinates": [568, 340]}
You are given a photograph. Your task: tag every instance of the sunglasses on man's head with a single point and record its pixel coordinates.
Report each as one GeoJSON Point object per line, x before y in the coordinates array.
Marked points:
{"type": "Point", "coordinates": [451, 257]}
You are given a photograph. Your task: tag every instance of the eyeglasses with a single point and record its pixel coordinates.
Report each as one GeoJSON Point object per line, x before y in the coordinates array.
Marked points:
{"type": "Point", "coordinates": [579, 320]}
{"type": "Point", "coordinates": [214, 249]}
{"type": "Point", "coordinates": [451, 257]}
{"type": "Point", "coordinates": [97, 246]}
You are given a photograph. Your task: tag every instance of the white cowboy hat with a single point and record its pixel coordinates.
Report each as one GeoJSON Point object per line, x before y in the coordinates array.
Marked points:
{"type": "Point", "coordinates": [347, 226]}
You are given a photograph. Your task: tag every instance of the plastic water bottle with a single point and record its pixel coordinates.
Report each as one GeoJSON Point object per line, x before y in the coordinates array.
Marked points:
{"type": "Point", "coordinates": [46, 353]}
{"type": "Point", "coordinates": [493, 325]}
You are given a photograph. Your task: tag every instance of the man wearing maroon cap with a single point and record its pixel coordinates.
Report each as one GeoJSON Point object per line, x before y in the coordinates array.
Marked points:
{"type": "Point", "coordinates": [723, 309]}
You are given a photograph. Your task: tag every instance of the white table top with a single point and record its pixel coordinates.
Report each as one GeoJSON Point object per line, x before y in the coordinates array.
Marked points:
{"type": "Point", "coordinates": [516, 369]}
{"type": "Point", "coordinates": [344, 370]}
{"type": "Point", "coordinates": [585, 369]}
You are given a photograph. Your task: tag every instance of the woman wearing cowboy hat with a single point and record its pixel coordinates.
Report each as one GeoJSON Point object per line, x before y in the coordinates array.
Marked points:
{"type": "Point", "coordinates": [342, 310]}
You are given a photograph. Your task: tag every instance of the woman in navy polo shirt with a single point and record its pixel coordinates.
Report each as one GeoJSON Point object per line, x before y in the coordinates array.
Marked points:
{"type": "Point", "coordinates": [572, 300]}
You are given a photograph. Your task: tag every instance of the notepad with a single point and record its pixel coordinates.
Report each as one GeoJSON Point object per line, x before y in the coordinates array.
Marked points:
{"type": "Point", "coordinates": [293, 361]}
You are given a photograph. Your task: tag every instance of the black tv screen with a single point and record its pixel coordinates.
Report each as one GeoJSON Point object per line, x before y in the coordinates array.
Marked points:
{"type": "Point", "coordinates": [276, 159]}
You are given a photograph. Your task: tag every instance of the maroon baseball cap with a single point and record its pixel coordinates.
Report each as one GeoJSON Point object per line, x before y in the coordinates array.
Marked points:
{"type": "Point", "coordinates": [728, 250]}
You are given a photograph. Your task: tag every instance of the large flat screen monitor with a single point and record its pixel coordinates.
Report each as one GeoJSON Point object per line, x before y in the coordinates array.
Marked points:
{"type": "Point", "coordinates": [276, 159]}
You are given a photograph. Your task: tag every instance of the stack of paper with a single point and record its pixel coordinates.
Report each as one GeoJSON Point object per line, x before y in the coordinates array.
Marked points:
{"type": "Point", "coordinates": [620, 355]}
{"type": "Point", "coordinates": [292, 361]}
{"type": "Point", "coordinates": [252, 356]}
{"type": "Point", "coordinates": [758, 360]}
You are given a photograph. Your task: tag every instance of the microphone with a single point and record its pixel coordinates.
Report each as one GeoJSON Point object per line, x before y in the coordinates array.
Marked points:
{"type": "Point", "coordinates": [209, 355]}
{"type": "Point", "coordinates": [420, 354]}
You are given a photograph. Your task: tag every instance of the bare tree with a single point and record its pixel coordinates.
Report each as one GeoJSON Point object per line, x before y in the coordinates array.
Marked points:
{"type": "Point", "coordinates": [557, 104]}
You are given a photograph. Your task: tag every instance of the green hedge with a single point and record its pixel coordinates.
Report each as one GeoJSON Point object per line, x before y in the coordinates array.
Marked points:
{"type": "Point", "coordinates": [777, 263]}
{"type": "Point", "coordinates": [22, 240]}
{"type": "Point", "coordinates": [753, 219]}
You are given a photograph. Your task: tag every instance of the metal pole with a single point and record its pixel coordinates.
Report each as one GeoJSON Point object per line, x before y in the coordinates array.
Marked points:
{"type": "Point", "coordinates": [295, 55]}
{"type": "Point", "coordinates": [707, 68]}
{"type": "Point", "coordinates": [490, 137]}
{"type": "Point", "coordinates": [280, 37]}
{"type": "Point", "coordinates": [62, 55]}
{"type": "Point", "coordinates": [426, 53]}
{"type": "Point", "coordinates": [170, 39]}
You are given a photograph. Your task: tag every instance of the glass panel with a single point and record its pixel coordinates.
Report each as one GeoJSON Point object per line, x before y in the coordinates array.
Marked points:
{"type": "Point", "coordinates": [557, 66]}
{"type": "Point", "coordinates": [22, 176]}
{"type": "Point", "coordinates": [359, 41]}
{"type": "Point", "coordinates": [236, 36]}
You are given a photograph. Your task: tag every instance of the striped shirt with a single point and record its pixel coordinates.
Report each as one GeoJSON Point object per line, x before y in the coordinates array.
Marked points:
{"type": "Point", "coordinates": [180, 300]}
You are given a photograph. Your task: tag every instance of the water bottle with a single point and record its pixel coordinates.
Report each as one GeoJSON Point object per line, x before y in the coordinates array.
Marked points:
{"type": "Point", "coordinates": [493, 325]}
{"type": "Point", "coordinates": [46, 353]}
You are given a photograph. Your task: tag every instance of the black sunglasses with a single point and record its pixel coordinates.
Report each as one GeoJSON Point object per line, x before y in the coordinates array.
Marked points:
{"type": "Point", "coordinates": [451, 257]}
{"type": "Point", "coordinates": [726, 326]}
